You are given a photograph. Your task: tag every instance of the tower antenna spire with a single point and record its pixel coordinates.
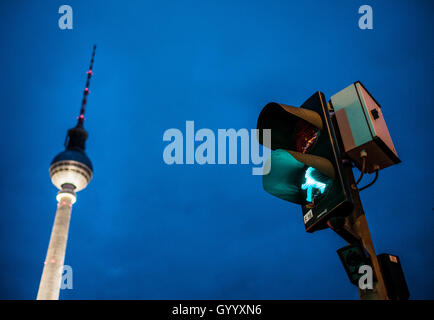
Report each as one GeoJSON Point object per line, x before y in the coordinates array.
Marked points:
{"type": "Point", "coordinates": [86, 90]}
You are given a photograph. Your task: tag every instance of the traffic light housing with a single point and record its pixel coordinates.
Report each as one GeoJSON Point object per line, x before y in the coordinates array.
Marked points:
{"type": "Point", "coordinates": [353, 257]}
{"type": "Point", "coordinates": [305, 165]}
{"type": "Point", "coordinates": [393, 275]}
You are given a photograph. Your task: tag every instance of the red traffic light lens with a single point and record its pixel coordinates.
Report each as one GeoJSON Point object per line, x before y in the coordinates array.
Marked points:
{"type": "Point", "coordinates": [305, 136]}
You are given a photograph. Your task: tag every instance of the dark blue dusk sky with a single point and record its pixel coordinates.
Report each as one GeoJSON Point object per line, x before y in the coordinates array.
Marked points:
{"type": "Point", "coordinates": [146, 230]}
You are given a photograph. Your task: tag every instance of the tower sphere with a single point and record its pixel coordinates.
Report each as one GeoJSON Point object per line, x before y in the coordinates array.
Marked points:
{"type": "Point", "coordinates": [71, 167]}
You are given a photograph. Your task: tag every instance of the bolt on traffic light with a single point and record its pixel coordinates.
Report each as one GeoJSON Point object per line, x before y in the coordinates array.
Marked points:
{"type": "Point", "coordinates": [305, 165]}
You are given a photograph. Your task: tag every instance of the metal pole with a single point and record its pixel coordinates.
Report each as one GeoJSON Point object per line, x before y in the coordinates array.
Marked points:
{"type": "Point", "coordinates": [356, 223]}
{"type": "Point", "coordinates": [354, 228]}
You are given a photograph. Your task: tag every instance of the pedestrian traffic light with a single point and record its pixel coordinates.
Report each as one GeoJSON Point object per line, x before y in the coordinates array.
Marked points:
{"type": "Point", "coordinates": [353, 257]}
{"type": "Point", "coordinates": [305, 165]}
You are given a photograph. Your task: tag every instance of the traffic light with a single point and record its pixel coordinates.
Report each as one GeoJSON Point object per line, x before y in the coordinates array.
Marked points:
{"type": "Point", "coordinates": [353, 257]}
{"type": "Point", "coordinates": [393, 275]}
{"type": "Point", "coordinates": [305, 165]}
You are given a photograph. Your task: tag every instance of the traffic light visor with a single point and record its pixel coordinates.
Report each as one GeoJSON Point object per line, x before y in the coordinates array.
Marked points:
{"type": "Point", "coordinates": [285, 177]}
{"type": "Point", "coordinates": [292, 128]}
{"type": "Point", "coordinates": [293, 180]}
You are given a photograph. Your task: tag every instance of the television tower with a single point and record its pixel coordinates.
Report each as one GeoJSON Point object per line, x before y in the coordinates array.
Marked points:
{"type": "Point", "coordinates": [70, 171]}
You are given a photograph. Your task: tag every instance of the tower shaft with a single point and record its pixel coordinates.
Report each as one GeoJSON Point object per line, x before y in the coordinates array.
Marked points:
{"type": "Point", "coordinates": [49, 287]}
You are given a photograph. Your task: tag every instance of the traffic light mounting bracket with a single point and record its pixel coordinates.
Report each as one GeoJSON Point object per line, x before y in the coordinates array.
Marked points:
{"type": "Point", "coordinates": [340, 226]}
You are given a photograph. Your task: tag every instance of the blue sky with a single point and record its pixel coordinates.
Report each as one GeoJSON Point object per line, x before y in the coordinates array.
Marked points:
{"type": "Point", "coordinates": [146, 230]}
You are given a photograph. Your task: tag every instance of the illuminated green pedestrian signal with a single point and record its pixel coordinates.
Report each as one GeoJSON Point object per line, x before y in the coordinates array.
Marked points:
{"type": "Point", "coordinates": [305, 165]}
{"type": "Point", "coordinates": [312, 185]}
